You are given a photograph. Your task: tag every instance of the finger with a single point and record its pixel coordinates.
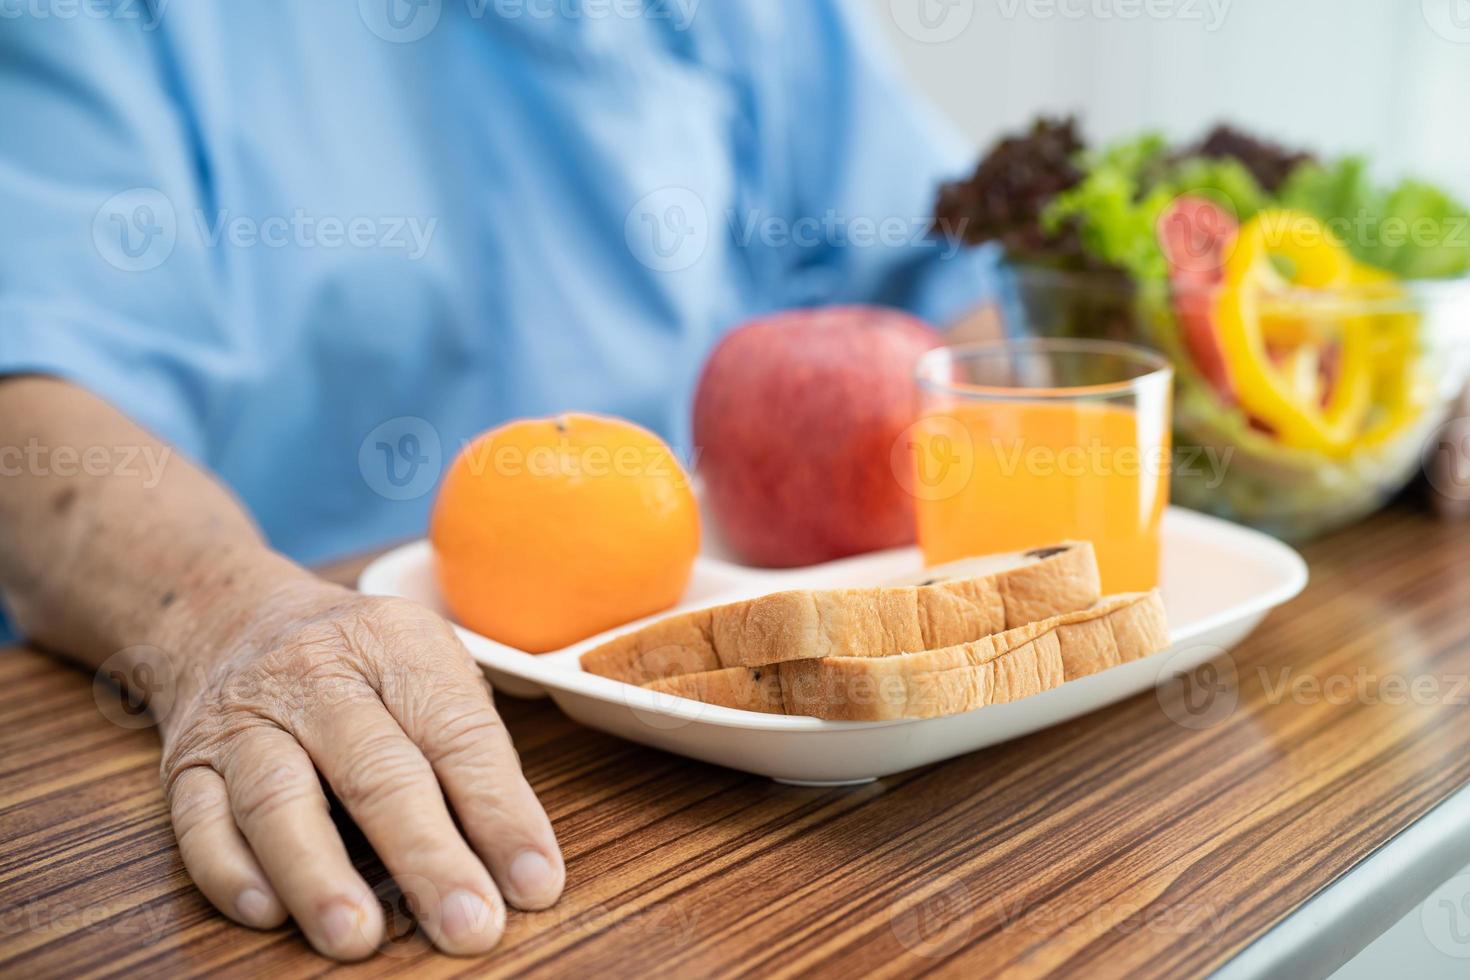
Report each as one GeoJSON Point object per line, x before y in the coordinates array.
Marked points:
{"type": "Point", "coordinates": [279, 805]}
{"type": "Point", "coordinates": [448, 713]}
{"type": "Point", "coordinates": [385, 782]}
{"type": "Point", "coordinates": [216, 854]}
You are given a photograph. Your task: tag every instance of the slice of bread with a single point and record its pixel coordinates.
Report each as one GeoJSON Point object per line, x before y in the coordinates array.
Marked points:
{"type": "Point", "coordinates": [992, 670]}
{"type": "Point", "coordinates": [939, 607]}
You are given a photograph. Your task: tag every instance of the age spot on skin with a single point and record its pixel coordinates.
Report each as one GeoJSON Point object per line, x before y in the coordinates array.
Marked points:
{"type": "Point", "coordinates": [63, 500]}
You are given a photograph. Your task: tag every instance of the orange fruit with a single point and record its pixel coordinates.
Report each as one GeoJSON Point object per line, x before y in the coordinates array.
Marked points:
{"type": "Point", "coordinates": [548, 531]}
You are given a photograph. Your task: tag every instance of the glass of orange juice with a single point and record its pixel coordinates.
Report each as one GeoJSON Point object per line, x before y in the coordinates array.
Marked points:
{"type": "Point", "coordinates": [1023, 443]}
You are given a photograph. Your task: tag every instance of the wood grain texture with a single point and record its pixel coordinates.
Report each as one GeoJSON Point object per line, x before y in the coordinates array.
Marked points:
{"type": "Point", "coordinates": [1121, 844]}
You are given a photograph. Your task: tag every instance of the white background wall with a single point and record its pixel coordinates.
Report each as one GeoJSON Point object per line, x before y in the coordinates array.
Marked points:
{"type": "Point", "coordinates": [1386, 77]}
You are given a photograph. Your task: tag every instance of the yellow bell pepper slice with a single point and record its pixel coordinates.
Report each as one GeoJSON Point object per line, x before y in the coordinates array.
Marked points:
{"type": "Point", "coordinates": [1375, 391]}
{"type": "Point", "coordinates": [1315, 259]}
{"type": "Point", "coordinates": [1303, 253]}
{"type": "Point", "coordinates": [1352, 395]}
{"type": "Point", "coordinates": [1302, 250]}
{"type": "Point", "coordinates": [1400, 390]}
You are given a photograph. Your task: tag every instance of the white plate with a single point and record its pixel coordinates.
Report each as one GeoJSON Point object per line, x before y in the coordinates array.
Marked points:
{"type": "Point", "coordinates": [1220, 580]}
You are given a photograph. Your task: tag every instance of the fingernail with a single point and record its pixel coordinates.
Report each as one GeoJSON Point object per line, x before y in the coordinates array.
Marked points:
{"type": "Point", "coordinates": [465, 915]}
{"type": "Point", "coordinates": [533, 877]}
{"type": "Point", "coordinates": [255, 907]}
{"type": "Point", "coordinates": [342, 925]}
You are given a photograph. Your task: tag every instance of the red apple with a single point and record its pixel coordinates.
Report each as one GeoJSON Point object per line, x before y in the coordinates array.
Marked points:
{"type": "Point", "coordinates": [795, 418]}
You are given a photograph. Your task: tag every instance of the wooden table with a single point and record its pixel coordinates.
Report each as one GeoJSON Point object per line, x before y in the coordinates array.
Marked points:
{"type": "Point", "coordinates": [1121, 844]}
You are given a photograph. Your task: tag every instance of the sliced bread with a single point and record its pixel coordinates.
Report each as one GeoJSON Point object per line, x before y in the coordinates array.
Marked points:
{"type": "Point", "coordinates": [1008, 666]}
{"type": "Point", "coordinates": [940, 607]}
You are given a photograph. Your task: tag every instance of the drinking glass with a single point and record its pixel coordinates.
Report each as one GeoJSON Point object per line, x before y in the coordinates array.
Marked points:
{"type": "Point", "coordinates": [1024, 443]}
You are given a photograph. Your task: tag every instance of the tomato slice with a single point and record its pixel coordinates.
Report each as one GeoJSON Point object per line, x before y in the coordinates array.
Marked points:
{"type": "Point", "coordinates": [1196, 234]}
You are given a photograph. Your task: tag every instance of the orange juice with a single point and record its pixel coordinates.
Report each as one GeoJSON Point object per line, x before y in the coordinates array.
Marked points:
{"type": "Point", "coordinates": [1016, 473]}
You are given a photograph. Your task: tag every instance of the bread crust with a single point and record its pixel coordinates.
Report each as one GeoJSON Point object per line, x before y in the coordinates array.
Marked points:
{"type": "Point", "coordinates": [881, 621]}
{"type": "Point", "coordinates": [1007, 666]}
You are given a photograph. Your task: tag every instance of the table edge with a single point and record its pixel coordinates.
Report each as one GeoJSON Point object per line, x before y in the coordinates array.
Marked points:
{"type": "Point", "coordinates": [1342, 919]}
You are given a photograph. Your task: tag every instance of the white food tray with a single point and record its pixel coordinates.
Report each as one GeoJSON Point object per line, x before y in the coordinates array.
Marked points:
{"type": "Point", "coordinates": [1219, 581]}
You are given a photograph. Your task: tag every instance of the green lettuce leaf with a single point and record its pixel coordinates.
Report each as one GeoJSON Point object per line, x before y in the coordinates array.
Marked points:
{"type": "Point", "coordinates": [1414, 230]}
{"type": "Point", "coordinates": [1116, 207]}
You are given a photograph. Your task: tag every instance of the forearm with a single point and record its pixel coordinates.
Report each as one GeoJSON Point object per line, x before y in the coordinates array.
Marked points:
{"type": "Point", "coordinates": [302, 682]}
{"type": "Point", "coordinates": [109, 539]}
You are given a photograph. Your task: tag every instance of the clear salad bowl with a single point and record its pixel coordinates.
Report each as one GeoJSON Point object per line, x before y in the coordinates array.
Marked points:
{"type": "Point", "coordinates": [1297, 409]}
